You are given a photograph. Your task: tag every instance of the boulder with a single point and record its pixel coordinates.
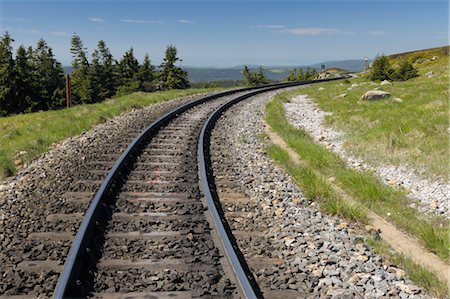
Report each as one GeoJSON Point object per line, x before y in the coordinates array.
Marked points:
{"type": "Point", "coordinates": [398, 100]}
{"type": "Point", "coordinates": [321, 88]}
{"type": "Point", "coordinates": [385, 82]}
{"type": "Point", "coordinates": [434, 57]}
{"type": "Point", "coordinates": [372, 95]}
{"type": "Point", "coordinates": [342, 95]}
{"type": "Point", "coordinates": [430, 75]}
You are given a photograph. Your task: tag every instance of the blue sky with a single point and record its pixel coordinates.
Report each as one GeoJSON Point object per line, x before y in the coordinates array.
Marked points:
{"type": "Point", "coordinates": [228, 33]}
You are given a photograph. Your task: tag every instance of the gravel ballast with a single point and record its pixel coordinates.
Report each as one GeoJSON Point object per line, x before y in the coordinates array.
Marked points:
{"type": "Point", "coordinates": [432, 196]}
{"type": "Point", "coordinates": [40, 189]}
{"type": "Point", "coordinates": [324, 256]}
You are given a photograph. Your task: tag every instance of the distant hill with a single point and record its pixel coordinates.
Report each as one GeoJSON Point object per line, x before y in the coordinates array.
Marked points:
{"type": "Point", "coordinates": [276, 73]}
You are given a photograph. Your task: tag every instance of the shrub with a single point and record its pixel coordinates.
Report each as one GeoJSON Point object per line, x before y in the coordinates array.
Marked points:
{"type": "Point", "coordinates": [381, 69]}
{"type": "Point", "coordinates": [405, 71]}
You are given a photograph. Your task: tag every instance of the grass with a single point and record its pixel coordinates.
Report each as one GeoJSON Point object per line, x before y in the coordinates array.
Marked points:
{"type": "Point", "coordinates": [413, 132]}
{"type": "Point", "coordinates": [316, 188]}
{"type": "Point", "coordinates": [365, 188]}
{"type": "Point", "coordinates": [423, 277]}
{"type": "Point", "coordinates": [24, 137]}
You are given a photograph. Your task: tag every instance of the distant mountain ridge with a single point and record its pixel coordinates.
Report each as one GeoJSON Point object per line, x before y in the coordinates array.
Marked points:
{"type": "Point", "coordinates": [202, 74]}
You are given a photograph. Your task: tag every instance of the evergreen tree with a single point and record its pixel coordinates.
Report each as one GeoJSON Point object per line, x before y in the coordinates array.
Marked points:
{"type": "Point", "coordinates": [128, 69]}
{"type": "Point", "coordinates": [254, 78]}
{"type": "Point", "coordinates": [146, 75]}
{"type": "Point", "coordinates": [247, 76]}
{"type": "Point", "coordinates": [84, 89]}
{"type": "Point", "coordinates": [405, 71]}
{"type": "Point", "coordinates": [171, 76]}
{"type": "Point", "coordinates": [301, 75]}
{"type": "Point", "coordinates": [49, 78]}
{"type": "Point", "coordinates": [381, 69]}
{"type": "Point", "coordinates": [107, 79]}
{"type": "Point", "coordinates": [25, 80]}
{"type": "Point", "coordinates": [7, 77]}
{"type": "Point", "coordinates": [292, 76]}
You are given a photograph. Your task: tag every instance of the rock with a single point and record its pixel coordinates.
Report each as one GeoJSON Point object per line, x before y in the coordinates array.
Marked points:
{"type": "Point", "coordinates": [434, 57]}
{"type": "Point", "coordinates": [279, 211]}
{"type": "Point", "coordinates": [430, 75]}
{"type": "Point", "coordinates": [321, 88]}
{"type": "Point", "coordinates": [342, 95]}
{"type": "Point", "coordinates": [433, 204]}
{"type": "Point", "coordinates": [354, 85]}
{"type": "Point", "coordinates": [342, 225]}
{"type": "Point", "coordinates": [397, 100]}
{"type": "Point", "coordinates": [400, 274]}
{"type": "Point", "coordinates": [18, 162]}
{"type": "Point", "coordinates": [296, 200]}
{"type": "Point", "coordinates": [374, 95]}
{"type": "Point", "coordinates": [385, 82]}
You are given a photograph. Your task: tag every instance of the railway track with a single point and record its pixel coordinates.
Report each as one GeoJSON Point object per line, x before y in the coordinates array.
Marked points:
{"type": "Point", "coordinates": [148, 230]}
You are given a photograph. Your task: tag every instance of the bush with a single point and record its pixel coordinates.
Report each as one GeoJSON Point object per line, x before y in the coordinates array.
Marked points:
{"type": "Point", "coordinates": [381, 69]}
{"type": "Point", "coordinates": [405, 71]}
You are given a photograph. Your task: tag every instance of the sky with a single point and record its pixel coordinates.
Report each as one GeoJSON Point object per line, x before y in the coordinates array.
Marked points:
{"type": "Point", "coordinates": [230, 33]}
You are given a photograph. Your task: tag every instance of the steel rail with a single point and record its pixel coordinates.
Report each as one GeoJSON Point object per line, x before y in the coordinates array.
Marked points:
{"type": "Point", "coordinates": [244, 277]}
{"type": "Point", "coordinates": [67, 279]}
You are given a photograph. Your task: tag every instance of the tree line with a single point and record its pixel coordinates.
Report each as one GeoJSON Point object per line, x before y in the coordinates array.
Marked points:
{"type": "Point", "coordinates": [258, 77]}
{"type": "Point", "coordinates": [32, 79]}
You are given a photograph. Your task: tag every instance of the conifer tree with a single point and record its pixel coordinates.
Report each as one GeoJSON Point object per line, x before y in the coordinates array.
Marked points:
{"type": "Point", "coordinates": [84, 89]}
{"type": "Point", "coordinates": [146, 75]}
{"type": "Point", "coordinates": [7, 77]}
{"type": "Point", "coordinates": [107, 80]}
{"type": "Point", "coordinates": [25, 80]}
{"type": "Point", "coordinates": [405, 71]}
{"type": "Point", "coordinates": [171, 76]}
{"type": "Point", "coordinates": [49, 78]}
{"type": "Point", "coordinates": [381, 69]}
{"type": "Point", "coordinates": [128, 69]}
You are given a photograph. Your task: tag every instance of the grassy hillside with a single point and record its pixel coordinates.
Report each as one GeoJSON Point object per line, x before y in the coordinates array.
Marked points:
{"type": "Point", "coordinates": [24, 137]}
{"type": "Point", "coordinates": [413, 132]}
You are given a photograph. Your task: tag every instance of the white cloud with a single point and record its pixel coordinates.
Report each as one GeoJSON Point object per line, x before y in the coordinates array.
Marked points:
{"type": "Point", "coordinates": [185, 21]}
{"type": "Point", "coordinates": [311, 31]}
{"type": "Point", "coordinates": [271, 26]}
{"type": "Point", "coordinates": [376, 33]}
{"type": "Point", "coordinates": [35, 31]}
{"type": "Point", "coordinates": [97, 20]}
{"type": "Point", "coordinates": [59, 33]}
{"type": "Point", "coordinates": [141, 22]}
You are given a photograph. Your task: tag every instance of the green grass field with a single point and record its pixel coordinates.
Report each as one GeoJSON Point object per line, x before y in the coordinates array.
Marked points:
{"type": "Point", "coordinates": [33, 133]}
{"type": "Point", "coordinates": [413, 132]}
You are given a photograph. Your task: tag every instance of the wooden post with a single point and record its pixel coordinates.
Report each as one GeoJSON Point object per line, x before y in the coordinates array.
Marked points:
{"type": "Point", "coordinates": [68, 92]}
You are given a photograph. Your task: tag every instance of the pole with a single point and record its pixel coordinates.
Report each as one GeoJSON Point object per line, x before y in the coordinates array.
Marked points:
{"type": "Point", "coordinates": [68, 92]}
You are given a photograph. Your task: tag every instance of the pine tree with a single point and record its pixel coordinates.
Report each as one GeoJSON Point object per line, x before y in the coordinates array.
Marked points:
{"type": "Point", "coordinates": [405, 71]}
{"type": "Point", "coordinates": [301, 75]}
{"type": "Point", "coordinates": [128, 69]}
{"type": "Point", "coordinates": [292, 76]}
{"type": "Point", "coordinates": [108, 86]}
{"type": "Point", "coordinates": [7, 77]}
{"type": "Point", "coordinates": [171, 76]}
{"type": "Point", "coordinates": [247, 76]}
{"type": "Point", "coordinates": [49, 78]}
{"type": "Point", "coordinates": [381, 69]}
{"type": "Point", "coordinates": [84, 89]}
{"type": "Point", "coordinates": [146, 75]}
{"type": "Point", "coordinates": [25, 80]}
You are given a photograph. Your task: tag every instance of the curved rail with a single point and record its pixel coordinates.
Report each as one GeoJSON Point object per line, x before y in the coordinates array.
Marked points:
{"type": "Point", "coordinates": [241, 270]}
{"type": "Point", "coordinates": [79, 248]}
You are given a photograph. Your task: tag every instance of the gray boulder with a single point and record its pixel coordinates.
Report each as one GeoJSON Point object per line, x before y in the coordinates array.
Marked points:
{"type": "Point", "coordinates": [385, 82]}
{"type": "Point", "coordinates": [372, 95]}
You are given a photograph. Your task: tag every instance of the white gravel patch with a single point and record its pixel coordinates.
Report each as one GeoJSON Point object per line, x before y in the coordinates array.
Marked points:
{"type": "Point", "coordinates": [433, 196]}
